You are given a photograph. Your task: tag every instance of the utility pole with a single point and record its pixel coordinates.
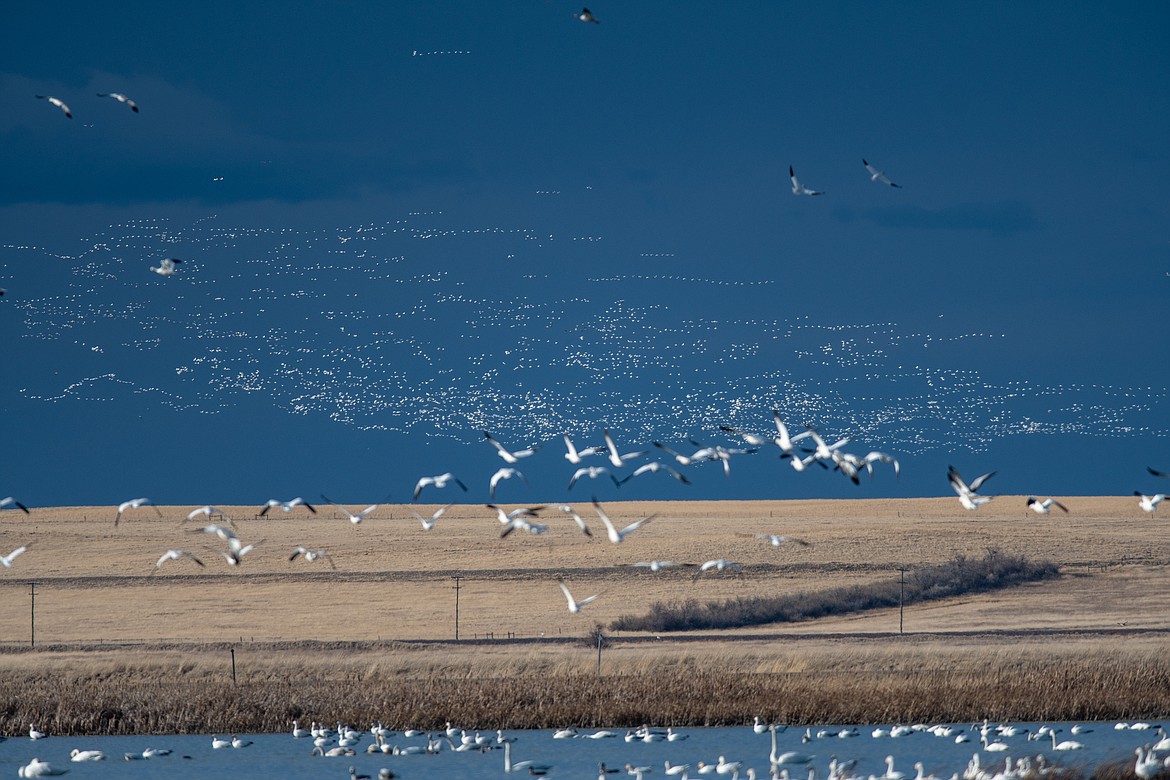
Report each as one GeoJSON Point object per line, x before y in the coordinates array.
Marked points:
{"type": "Point", "coordinates": [901, 595]}
{"type": "Point", "coordinates": [599, 640]}
{"type": "Point", "coordinates": [32, 618]}
{"type": "Point", "coordinates": [457, 580]}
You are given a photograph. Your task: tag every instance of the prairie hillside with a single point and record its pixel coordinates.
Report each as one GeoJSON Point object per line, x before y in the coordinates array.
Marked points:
{"type": "Point", "coordinates": [387, 612]}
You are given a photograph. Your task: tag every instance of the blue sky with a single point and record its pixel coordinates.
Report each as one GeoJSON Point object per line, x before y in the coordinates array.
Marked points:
{"type": "Point", "coordinates": [401, 224]}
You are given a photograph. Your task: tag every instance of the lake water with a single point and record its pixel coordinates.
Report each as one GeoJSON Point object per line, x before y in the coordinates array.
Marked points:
{"type": "Point", "coordinates": [284, 757]}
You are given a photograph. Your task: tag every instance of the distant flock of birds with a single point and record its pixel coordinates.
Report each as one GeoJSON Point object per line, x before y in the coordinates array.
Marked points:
{"type": "Point", "coordinates": [802, 451]}
{"type": "Point", "coordinates": [1152, 759]}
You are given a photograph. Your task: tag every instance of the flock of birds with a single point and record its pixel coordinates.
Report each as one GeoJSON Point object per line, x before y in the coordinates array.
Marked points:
{"type": "Point", "coordinates": [1152, 757]}
{"type": "Point", "coordinates": [802, 451]}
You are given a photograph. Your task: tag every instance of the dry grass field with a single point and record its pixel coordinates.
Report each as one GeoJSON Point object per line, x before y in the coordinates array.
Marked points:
{"type": "Point", "coordinates": [106, 624]}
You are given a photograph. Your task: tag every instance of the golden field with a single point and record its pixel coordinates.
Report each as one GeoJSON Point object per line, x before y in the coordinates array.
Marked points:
{"type": "Point", "coordinates": [376, 634]}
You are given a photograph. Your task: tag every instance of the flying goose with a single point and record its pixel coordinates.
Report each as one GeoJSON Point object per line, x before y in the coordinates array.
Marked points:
{"type": "Point", "coordinates": [798, 188]}
{"type": "Point", "coordinates": [510, 456]}
{"type": "Point", "coordinates": [121, 99]}
{"type": "Point", "coordinates": [878, 176]}
{"type": "Point", "coordinates": [134, 503]}
{"type": "Point", "coordinates": [59, 103]}
{"type": "Point", "coordinates": [439, 481]}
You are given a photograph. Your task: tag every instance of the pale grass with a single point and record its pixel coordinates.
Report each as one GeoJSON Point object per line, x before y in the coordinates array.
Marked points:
{"type": "Point", "coordinates": [373, 638]}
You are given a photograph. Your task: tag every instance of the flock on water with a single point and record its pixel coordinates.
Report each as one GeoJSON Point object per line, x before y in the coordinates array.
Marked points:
{"type": "Point", "coordinates": [816, 757]}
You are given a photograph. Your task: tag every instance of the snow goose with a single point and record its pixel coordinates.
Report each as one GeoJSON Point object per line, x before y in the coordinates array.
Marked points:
{"type": "Point", "coordinates": [429, 523]}
{"type": "Point", "coordinates": [121, 99]}
{"type": "Point", "coordinates": [502, 474]}
{"type": "Point", "coordinates": [174, 555]}
{"type": "Point", "coordinates": [878, 176]}
{"type": "Point", "coordinates": [797, 187]}
{"type": "Point", "coordinates": [439, 481]}
{"type": "Point", "coordinates": [653, 467]}
{"type": "Point", "coordinates": [1149, 504]}
{"type": "Point", "coordinates": [510, 456]}
{"type": "Point", "coordinates": [312, 555]}
{"type": "Point", "coordinates": [1045, 506]}
{"type": "Point", "coordinates": [616, 459]}
{"type": "Point", "coordinates": [167, 266]}
{"type": "Point", "coordinates": [218, 744]}
{"type": "Point", "coordinates": [568, 510]}
{"type": "Point", "coordinates": [287, 506]}
{"type": "Point", "coordinates": [586, 16]}
{"type": "Point", "coordinates": [354, 519]}
{"type": "Point", "coordinates": [59, 103]}
{"type": "Point", "coordinates": [575, 456]}
{"type": "Point", "coordinates": [966, 492]}
{"type": "Point", "coordinates": [134, 503]}
{"type": "Point", "coordinates": [776, 540]}
{"type": "Point", "coordinates": [38, 768]}
{"type": "Point", "coordinates": [574, 605]}
{"type": "Point", "coordinates": [7, 560]}
{"type": "Point", "coordinates": [33, 733]}
{"type": "Point", "coordinates": [9, 501]}
{"type": "Point", "coordinates": [719, 564]}
{"type": "Point", "coordinates": [593, 472]}
{"type": "Point", "coordinates": [616, 536]}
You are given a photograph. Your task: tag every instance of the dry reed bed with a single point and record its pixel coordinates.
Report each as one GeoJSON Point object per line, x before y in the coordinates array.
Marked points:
{"type": "Point", "coordinates": [510, 686]}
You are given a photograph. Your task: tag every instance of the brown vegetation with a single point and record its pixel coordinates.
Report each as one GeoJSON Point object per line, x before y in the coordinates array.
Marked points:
{"type": "Point", "coordinates": [121, 650]}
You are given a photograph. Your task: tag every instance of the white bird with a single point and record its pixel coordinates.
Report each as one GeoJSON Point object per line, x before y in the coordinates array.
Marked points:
{"type": "Point", "coordinates": [507, 517]}
{"type": "Point", "coordinates": [59, 103]}
{"type": "Point", "coordinates": [785, 442]}
{"type": "Point", "coordinates": [568, 510]}
{"type": "Point", "coordinates": [654, 466]}
{"type": "Point", "coordinates": [1147, 765]}
{"type": "Point", "coordinates": [134, 503]}
{"type": "Point", "coordinates": [1043, 507]}
{"type": "Point", "coordinates": [34, 734]}
{"type": "Point", "coordinates": [725, 767]}
{"type": "Point", "coordinates": [1149, 503]}
{"type": "Point", "coordinates": [312, 555]}
{"type": "Point", "coordinates": [10, 501]}
{"type": "Point", "coordinates": [240, 743]}
{"type": "Point", "coordinates": [502, 474]}
{"type": "Point", "coordinates": [167, 266]}
{"type": "Point", "coordinates": [439, 481]}
{"type": "Point", "coordinates": [210, 512]}
{"type": "Point", "coordinates": [616, 536]}
{"type": "Point", "coordinates": [702, 455]}
{"type": "Point", "coordinates": [429, 523]}
{"type": "Point", "coordinates": [658, 565]}
{"type": "Point", "coordinates": [523, 525]}
{"type": "Point", "coordinates": [675, 769]}
{"type": "Point", "coordinates": [287, 506]}
{"type": "Point", "coordinates": [38, 768]}
{"type": "Point", "coordinates": [574, 605]}
{"type": "Point", "coordinates": [724, 454]}
{"type": "Point", "coordinates": [218, 744]}
{"type": "Point", "coordinates": [776, 540]}
{"type": "Point", "coordinates": [966, 493]}
{"type": "Point", "coordinates": [530, 766]}
{"type": "Point", "coordinates": [586, 16]}
{"type": "Point", "coordinates": [174, 555]}
{"type": "Point", "coordinates": [826, 451]}
{"type": "Point", "coordinates": [575, 456]}
{"type": "Point", "coordinates": [510, 456]}
{"type": "Point", "coordinates": [354, 519]}
{"type": "Point", "coordinates": [720, 564]}
{"type": "Point", "coordinates": [7, 560]}
{"type": "Point", "coordinates": [593, 472]}
{"type": "Point", "coordinates": [86, 755]}
{"type": "Point", "coordinates": [798, 188]}
{"type": "Point", "coordinates": [236, 550]}
{"type": "Point", "coordinates": [121, 99]}
{"type": "Point", "coordinates": [619, 460]}
{"type": "Point", "coordinates": [878, 176]}
{"type": "Point", "coordinates": [1068, 744]}
{"type": "Point", "coordinates": [674, 736]}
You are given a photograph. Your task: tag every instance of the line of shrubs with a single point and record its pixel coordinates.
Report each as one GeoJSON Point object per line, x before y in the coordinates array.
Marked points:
{"type": "Point", "coordinates": [955, 578]}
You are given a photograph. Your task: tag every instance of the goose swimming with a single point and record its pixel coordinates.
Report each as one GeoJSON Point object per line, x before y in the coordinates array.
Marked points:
{"type": "Point", "coordinates": [38, 768]}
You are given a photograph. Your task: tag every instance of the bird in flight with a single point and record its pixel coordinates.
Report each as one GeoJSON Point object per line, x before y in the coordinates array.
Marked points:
{"type": "Point", "coordinates": [966, 493]}
{"type": "Point", "coordinates": [1149, 503]}
{"type": "Point", "coordinates": [174, 555]}
{"type": "Point", "coordinates": [510, 456]}
{"type": "Point", "coordinates": [59, 103]}
{"type": "Point", "coordinates": [659, 565]}
{"type": "Point", "coordinates": [10, 501]}
{"type": "Point", "coordinates": [439, 481]}
{"type": "Point", "coordinates": [878, 176]}
{"type": "Point", "coordinates": [134, 503]}
{"type": "Point", "coordinates": [502, 474]}
{"type": "Point", "coordinates": [574, 605]}
{"type": "Point", "coordinates": [311, 555]}
{"type": "Point", "coordinates": [587, 16]}
{"type": "Point", "coordinates": [593, 472]}
{"type": "Point", "coordinates": [1045, 506]}
{"type": "Point", "coordinates": [616, 536]}
{"type": "Point", "coordinates": [798, 188]}
{"type": "Point", "coordinates": [1162, 474]}
{"type": "Point", "coordinates": [7, 559]}
{"type": "Point", "coordinates": [717, 565]}
{"type": "Point", "coordinates": [568, 510]}
{"type": "Point", "coordinates": [166, 267]}
{"type": "Point", "coordinates": [121, 99]}
{"type": "Point", "coordinates": [429, 523]}
{"type": "Point", "coordinates": [287, 506]}
{"type": "Point", "coordinates": [574, 456]}
{"type": "Point", "coordinates": [776, 540]}
{"type": "Point", "coordinates": [653, 466]}
{"type": "Point", "coordinates": [355, 519]}
{"type": "Point", "coordinates": [209, 511]}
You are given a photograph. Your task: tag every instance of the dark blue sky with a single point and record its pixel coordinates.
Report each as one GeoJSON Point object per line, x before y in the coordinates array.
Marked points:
{"type": "Point", "coordinates": [401, 224]}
